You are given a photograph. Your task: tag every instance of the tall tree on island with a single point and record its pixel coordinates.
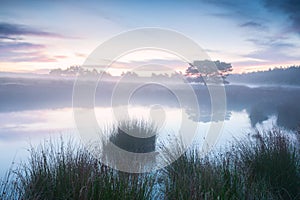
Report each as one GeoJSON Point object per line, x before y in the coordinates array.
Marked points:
{"type": "Point", "coordinates": [203, 71]}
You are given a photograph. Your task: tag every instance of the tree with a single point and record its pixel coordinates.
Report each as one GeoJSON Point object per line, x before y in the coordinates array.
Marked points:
{"type": "Point", "coordinates": [202, 71]}
{"type": "Point", "coordinates": [78, 70]}
{"type": "Point", "coordinates": [129, 74]}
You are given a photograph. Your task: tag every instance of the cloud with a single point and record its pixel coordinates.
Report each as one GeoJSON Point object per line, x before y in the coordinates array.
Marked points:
{"type": "Point", "coordinates": [289, 7]}
{"type": "Point", "coordinates": [14, 48]}
{"type": "Point", "coordinates": [253, 24]}
{"type": "Point", "coordinates": [82, 55]}
{"type": "Point", "coordinates": [247, 14]}
{"type": "Point", "coordinates": [273, 49]}
{"type": "Point", "coordinates": [153, 65]}
{"type": "Point", "coordinates": [273, 53]}
{"type": "Point", "coordinates": [248, 62]}
{"type": "Point", "coordinates": [34, 57]}
{"type": "Point", "coordinates": [60, 56]}
{"type": "Point", "coordinates": [258, 10]}
{"type": "Point", "coordinates": [224, 3]}
{"type": "Point", "coordinates": [274, 42]}
{"type": "Point", "coordinates": [23, 52]}
{"type": "Point", "coordinates": [3, 37]}
{"type": "Point", "coordinates": [212, 51]}
{"type": "Point", "coordinates": [26, 57]}
{"type": "Point", "coordinates": [17, 46]}
{"type": "Point", "coordinates": [11, 31]}
{"type": "Point", "coordinates": [238, 9]}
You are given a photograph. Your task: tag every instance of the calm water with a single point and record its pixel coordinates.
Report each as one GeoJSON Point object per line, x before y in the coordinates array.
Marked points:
{"type": "Point", "coordinates": [21, 129]}
{"type": "Point", "coordinates": [31, 113]}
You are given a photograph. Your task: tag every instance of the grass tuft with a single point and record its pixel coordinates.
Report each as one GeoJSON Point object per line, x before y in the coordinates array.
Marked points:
{"type": "Point", "coordinates": [266, 166]}
{"type": "Point", "coordinates": [69, 171]}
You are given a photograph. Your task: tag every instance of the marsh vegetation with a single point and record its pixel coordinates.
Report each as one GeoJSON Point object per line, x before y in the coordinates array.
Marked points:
{"type": "Point", "coordinates": [265, 165]}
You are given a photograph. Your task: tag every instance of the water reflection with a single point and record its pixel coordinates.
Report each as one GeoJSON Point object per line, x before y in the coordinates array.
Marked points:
{"type": "Point", "coordinates": [260, 103]}
{"type": "Point", "coordinates": [31, 110]}
{"type": "Point", "coordinates": [19, 129]}
{"type": "Point", "coordinates": [265, 102]}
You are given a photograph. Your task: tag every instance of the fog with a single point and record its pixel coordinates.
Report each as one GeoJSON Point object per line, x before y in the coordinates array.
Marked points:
{"type": "Point", "coordinates": [35, 108]}
{"type": "Point", "coordinates": [260, 103]}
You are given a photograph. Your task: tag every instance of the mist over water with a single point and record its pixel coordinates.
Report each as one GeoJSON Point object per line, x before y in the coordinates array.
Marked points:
{"type": "Point", "coordinates": [34, 109]}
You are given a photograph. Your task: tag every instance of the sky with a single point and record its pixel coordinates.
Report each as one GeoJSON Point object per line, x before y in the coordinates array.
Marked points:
{"type": "Point", "coordinates": [37, 36]}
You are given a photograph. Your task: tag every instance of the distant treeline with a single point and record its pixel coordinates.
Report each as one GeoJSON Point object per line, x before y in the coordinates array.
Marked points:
{"type": "Point", "coordinates": [77, 70]}
{"type": "Point", "coordinates": [282, 76]}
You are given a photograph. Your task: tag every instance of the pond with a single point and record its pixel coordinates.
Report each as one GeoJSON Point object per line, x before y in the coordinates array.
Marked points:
{"type": "Point", "coordinates": [34, 110]}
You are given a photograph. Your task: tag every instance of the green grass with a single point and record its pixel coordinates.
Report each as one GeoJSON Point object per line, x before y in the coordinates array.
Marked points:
{"type": "Point", "coordinates": [135, 136]}
{"type": "Point", "coordinates": [59, 171]}
{"type": "Point", "coordinates": [138, 136]}
{"type": "Point", "coordinates": [274, 159]}
{"type": "Point", "coordinates": [266, 166]}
